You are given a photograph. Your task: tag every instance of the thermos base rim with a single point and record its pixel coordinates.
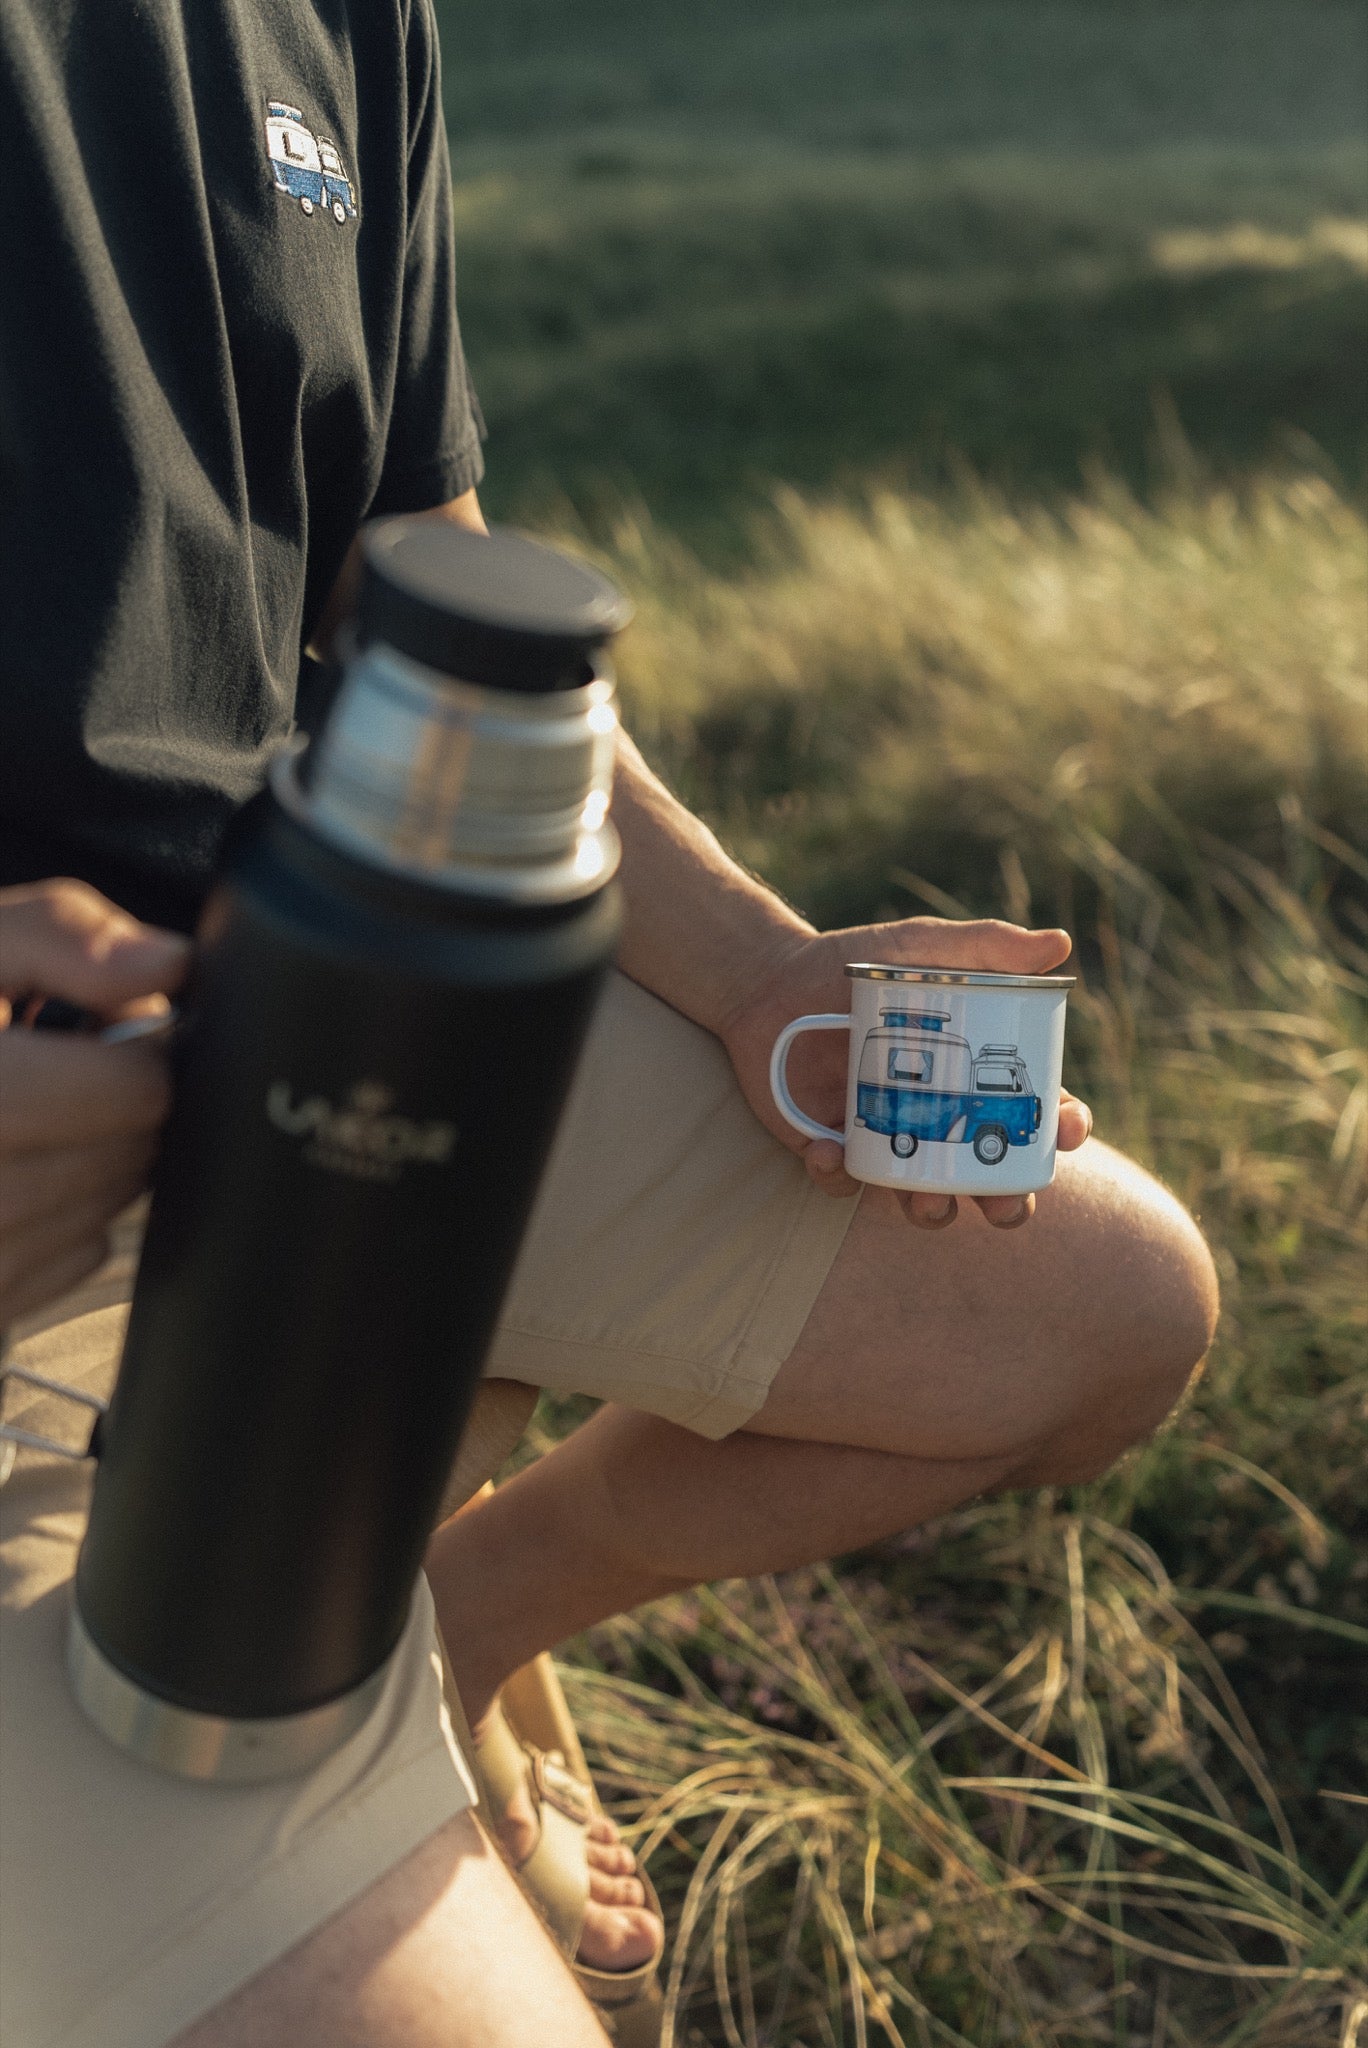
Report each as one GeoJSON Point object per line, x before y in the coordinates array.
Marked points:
{"type": "Point", "coordinates": [209, 1747]}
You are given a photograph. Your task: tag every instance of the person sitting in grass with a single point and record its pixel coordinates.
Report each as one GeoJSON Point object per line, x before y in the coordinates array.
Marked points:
{"type": "Point", "coordinates": [208, 386]}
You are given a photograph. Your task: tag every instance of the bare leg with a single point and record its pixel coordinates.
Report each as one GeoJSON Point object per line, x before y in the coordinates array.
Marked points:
{"type": "Point", "coordinates": [933, 1367]}
{"type": "Point", "coordinates": [443, 1952]}
{"type": "Point", "coordinates": [1055, 1346]}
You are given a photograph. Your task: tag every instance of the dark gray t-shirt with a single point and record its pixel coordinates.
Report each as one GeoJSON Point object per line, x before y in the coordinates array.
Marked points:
{"type": "Point", "coordinates": [227, 336]}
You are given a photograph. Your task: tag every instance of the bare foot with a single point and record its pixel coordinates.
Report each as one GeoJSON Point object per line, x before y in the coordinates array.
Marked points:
{"type": "Point", "coordinates": [619, 1933]}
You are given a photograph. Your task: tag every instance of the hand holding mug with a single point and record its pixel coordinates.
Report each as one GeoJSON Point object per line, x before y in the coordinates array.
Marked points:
{"type": "Point", "coordinates": [807, 975]}
{"type": "Point", "coordinates": [953, 1081]}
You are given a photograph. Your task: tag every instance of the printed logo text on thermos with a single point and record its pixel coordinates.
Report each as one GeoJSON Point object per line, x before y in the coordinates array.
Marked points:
{"type": "Point", "coordinates": [359, 1135]}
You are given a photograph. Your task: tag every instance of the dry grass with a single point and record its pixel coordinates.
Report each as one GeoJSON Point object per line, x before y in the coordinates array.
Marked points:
{"type": "Point", "coordinates": [990, 699]}
{"type": "Point", "coordinates": [1050, 1773]}
{"type": "Point", "coordinates": [1085, 1769]}
{"type": "Point", "coordinates": [928, 1844]}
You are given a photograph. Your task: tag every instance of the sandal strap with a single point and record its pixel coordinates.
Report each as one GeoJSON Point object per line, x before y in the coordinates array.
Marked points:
{"type": "Point", "coordinates": [555, 1880]}
{"type": "Point", "coordinates": [555, 1877]}
{"type": "Point", "coordinates": [558, 1786]}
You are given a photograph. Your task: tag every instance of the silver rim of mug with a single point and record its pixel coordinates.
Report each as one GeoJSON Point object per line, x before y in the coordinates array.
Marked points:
{"type": "Point", "coordinates": [944, 977]}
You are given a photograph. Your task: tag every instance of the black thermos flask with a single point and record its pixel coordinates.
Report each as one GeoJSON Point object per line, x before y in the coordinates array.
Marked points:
{"type": "Point", "coordinates": [396, 970]}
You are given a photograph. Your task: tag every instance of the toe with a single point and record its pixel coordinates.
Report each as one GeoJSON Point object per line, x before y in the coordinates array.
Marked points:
{"type": "Point", "coordinates": [618, 1937]}
{"type": "Point", "coordinates": [618, 1933]}
{"type": "Point", "coordinates": [616, 1891]}
{"type": "Point", "coordinates": [615, 1859]}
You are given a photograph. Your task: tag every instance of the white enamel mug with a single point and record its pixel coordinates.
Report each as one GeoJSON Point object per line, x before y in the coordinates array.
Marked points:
{"type": "Point", "coordinates": [954, 1079]}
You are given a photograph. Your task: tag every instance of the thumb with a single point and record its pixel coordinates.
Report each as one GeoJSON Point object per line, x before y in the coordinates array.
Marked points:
{"type": "Point", "coordinates": [987, 945]}
{"type": "Point", "coordinates": [62, 938]}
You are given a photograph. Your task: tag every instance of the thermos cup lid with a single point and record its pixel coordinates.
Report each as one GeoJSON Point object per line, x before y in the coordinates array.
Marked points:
{"type": "Point", "coordinates": [501, 611]}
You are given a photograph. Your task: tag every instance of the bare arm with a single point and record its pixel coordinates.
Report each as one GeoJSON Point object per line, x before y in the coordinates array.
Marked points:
{"type": "Point", "coordinates": [721, 926]}
{"type": "Point", "coordinates": [700, 931]}
{"type": "Point", "coordinates": [722, 948]}
{"type": "Point", "coordinates": [726, 951]}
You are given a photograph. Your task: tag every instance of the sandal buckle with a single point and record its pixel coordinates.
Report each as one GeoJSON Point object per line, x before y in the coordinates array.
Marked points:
{"type": "Point", "coordinates": [559, 1787]}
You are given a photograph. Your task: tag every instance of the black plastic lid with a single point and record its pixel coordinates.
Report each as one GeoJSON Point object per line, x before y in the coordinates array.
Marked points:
{"type": "Point", "coordinates": [503, 611]}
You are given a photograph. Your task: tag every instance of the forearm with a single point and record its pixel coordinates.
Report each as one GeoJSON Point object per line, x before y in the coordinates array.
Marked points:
{"type": "Point", "coordinates": [700, 932]}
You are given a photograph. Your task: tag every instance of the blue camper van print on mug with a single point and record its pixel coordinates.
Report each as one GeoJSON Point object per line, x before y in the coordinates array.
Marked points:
{"type": "Point", "coordinates": [919, 1082]}
{"type": "Point", "coordinates": [306, 166]}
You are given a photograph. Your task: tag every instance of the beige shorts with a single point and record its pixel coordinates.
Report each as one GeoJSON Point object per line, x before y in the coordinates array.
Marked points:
{"type": "Point", "coordinates": [676, 1247]}
{"type": "Point", "coordinates": [672, 1260]}
{"type": "Point", "coordinates": [130, 1901]}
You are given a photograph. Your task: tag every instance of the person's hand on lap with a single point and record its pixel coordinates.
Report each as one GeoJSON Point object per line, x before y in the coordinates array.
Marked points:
{"type": "Point", "coordinates": [810, 978]}
{"type": "Point", "coordinates": [78, 1119]}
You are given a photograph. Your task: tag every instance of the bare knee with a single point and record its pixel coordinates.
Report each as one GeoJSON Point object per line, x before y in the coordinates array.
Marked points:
{"type": "Point", "coordinates": [1166, 1328]}
{"type": "Point", "coordinates": [1067, 1340]}
{"type": "Point", "coordinates": [1161, 1303]}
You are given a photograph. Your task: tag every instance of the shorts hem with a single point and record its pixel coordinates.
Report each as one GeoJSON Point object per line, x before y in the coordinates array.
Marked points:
{"type": "Point", "coordinates": [799, 1275]}
{"type": "Point", "coordinates": [711, 1399]}
{"type": "Point", "coordinates": [189, 1968]}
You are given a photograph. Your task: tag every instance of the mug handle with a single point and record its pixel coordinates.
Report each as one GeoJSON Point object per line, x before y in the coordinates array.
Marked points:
{"type": "Point", "coordinates": [784, 1102]}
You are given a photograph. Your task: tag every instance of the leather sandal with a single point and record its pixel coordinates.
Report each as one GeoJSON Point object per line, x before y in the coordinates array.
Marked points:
{"type": "Point", "coordinates": [529, 1744]}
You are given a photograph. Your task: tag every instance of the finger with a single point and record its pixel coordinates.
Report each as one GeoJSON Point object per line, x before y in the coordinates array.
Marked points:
{"type": "Point", "coordinates": [57, 1090]}
{"type": "Point", "coordinates": [62, 938]}
{"type": "Point", "coordinates": [34, 1287]}
{"type": "Point", "coordinates": [929, 1212]}
{"type": "Point", "coordinates": [1075, 1123]}
{"type": "Point", "coordinates": [34, 1185]}
{"type": "Point", "coordinates": [1007, 1212]}
{"type": "Point", "coordinates": [825, 1162]}
{"type": "Point", "coordinates": [151, 1007]}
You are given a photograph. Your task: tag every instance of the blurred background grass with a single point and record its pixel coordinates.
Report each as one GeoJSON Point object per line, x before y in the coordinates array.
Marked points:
{"type": "Point", "coordinates": [705, 246]}
{"type": "Point", "coordinates": [972, 399]}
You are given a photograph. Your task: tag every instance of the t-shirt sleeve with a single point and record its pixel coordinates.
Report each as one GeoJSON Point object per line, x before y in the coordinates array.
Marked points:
{"type": "Point", "coordinates": [433, 452]}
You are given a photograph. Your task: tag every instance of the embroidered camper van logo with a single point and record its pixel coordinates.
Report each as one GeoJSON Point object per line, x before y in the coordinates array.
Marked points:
{"type": "Point", "coordinates": [361, 1135]}
{"type": "Point", "coordinates": [306, 166]}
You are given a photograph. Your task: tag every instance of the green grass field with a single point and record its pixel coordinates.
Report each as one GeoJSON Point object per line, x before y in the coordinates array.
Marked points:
{"type": "Point", "coordinates": [970, 397]}
{"type": "Point", "coordinates": [704, 248]}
